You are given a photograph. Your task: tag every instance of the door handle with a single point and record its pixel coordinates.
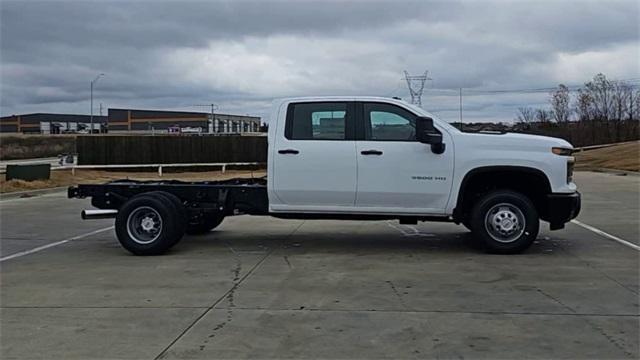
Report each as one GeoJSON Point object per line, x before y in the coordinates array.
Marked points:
{"type": "Point", "coordinates": [289, 151]}
{"type": "Point", "coordinates": [371, 152]}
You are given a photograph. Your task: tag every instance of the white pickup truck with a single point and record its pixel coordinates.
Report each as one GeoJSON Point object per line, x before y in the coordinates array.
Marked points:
{"type": "Point", "coordinates": [362, 158]}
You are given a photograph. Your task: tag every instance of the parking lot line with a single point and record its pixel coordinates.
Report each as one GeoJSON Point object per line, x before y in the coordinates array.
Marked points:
{"type": "Point", "coordinates": [607, 235]}
{"type": "Point", "coordinates": [43, 247]}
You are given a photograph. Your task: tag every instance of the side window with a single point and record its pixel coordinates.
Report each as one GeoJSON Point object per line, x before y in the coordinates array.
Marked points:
{"type": "Point", "coordinates": [316, 121]}
{"type": "Point", "coordinates": [388, 122]}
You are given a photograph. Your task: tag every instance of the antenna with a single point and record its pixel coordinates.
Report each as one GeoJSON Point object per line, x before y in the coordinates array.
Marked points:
{"type": "Point", "coordinates": [415, 83]}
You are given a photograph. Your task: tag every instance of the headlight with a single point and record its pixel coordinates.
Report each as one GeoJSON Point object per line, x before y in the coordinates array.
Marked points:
{"type": "Point", "coordinates": [570, 163]}
{"type": "Point", "coordinates": [562, 151]}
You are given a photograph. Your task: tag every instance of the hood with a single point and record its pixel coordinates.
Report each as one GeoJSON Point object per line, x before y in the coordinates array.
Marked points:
{"type": "Point", "coordinates": [515, 141]}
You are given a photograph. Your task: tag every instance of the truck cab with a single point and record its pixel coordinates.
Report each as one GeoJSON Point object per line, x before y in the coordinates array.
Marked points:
{"type": "Point", "coordinates": [356, 156]}
{"type": "Point", "coordinates": [371, 158]}
{"type": "Point", "coordinates": [364, 156]}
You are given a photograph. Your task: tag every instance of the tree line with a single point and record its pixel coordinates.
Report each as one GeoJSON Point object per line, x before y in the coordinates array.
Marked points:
{"type": "Point", "coordinates": [601, 111]}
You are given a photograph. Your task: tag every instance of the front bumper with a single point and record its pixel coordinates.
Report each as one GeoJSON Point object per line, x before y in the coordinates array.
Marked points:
{"type": "Point", "coordinates": [561, 208]}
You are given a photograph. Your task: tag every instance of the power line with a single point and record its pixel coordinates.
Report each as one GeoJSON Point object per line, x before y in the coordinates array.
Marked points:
{"type": "Point", "coordinates": [472, 91]}
{"type": "Point", "coordinates": [395, 90]}
{"type": "Point", "coordinates": [633, 83]}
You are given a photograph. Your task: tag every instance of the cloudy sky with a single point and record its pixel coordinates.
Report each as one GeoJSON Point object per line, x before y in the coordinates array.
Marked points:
{"type": "Point", "coordinates": [242, 54]}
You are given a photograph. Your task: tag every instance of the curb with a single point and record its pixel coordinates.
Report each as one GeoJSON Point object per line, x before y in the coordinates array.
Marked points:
{"type": "Point", "coordinates": [31, 193]}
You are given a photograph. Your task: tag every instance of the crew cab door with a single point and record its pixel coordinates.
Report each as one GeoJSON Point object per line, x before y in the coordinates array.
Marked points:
{"type": "Point", "coordinates": [314, 158]}
{"type": "Point", "coordinates": [396, 173]}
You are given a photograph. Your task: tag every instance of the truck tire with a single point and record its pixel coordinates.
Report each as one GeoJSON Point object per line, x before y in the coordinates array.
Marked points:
{"type": "Point", "coordinates": [505, 221]}
{"type": "Point", "coordinates": [180, 210]}
{"type": "Point", "coordinates": [148, 224]}
{"type": "Point", "coordinates": [203, 227]}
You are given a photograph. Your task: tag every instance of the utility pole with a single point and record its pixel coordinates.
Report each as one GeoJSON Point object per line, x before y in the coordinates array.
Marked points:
{"type": "Point", "coordinates": [93, 82]}
{"type": "Point", "coordinates": [214, 107]}
{"type": "Point", "coordinates": [461, 109]}
{"type": "Point", "coordinates": [101, 124]}
{"type": "Point", "coordinates": [415, 83]}
{"type": "Point", "coordinates": [631, 99]}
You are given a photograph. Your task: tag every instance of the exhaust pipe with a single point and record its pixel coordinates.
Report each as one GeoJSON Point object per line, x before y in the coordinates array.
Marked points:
{"type": "Point", "coordinates": [98, 214]}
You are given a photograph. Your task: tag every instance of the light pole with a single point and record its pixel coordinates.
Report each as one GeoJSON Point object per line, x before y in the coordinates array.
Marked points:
{"type": "Point", "coordinates": [93, 82]}
{"type": "Point", "coordinates": [213, 119]}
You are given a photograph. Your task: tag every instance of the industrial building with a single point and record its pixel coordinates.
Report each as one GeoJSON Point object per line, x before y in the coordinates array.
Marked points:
{"type": "Point", "coordinates": [131, 120]}
{"type": "Point", "coordinates": [154, 120]}
{"type": "Point", "coordinates": [46, 123]}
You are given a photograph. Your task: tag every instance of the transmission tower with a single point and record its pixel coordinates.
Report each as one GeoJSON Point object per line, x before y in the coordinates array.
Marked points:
{"type": "Point", "coordinates": [416, 86]}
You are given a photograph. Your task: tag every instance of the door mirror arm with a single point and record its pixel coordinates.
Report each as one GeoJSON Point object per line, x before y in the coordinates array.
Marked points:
{"type": "Point", "coordinates": [426, 133]}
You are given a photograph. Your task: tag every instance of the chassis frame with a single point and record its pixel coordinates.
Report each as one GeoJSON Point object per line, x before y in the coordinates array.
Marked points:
{"type": "Point", "coordinates": [227, 197]}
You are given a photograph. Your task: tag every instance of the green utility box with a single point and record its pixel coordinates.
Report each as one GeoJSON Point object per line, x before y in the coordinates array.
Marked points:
{"type": "Point", "coordinates": [29, 172]}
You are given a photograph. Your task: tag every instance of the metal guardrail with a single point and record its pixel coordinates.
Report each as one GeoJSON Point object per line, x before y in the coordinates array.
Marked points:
{"type": "Point", "coordinates": [600, 146]}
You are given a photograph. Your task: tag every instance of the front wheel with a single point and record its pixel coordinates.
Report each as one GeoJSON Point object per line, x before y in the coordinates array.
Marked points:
{"type": "Point", "coordinates": [505, 221]}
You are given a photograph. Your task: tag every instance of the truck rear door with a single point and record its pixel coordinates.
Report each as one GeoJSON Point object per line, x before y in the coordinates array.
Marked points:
{"type": "Point", "coordinates": [314, 158]}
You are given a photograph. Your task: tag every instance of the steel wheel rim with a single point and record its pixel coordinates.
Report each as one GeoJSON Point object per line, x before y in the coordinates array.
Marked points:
{"type": "Point", "coordinates": [144, 225]}
{"type": "Point", "coordinates": [505, 222]}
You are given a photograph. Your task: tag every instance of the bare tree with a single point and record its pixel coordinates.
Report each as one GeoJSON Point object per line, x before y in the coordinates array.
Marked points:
{"type": "Point", "coordinates": [560, 101]}
{"type": "Point", "coordinates": [543, 115]}
{"type": "Point", "coordinates": [622, 99]}
{"type": "Point", "coordinates": [605, 110]}
{"type": "Point", "coordinates": [584, 105]}
{"type": "Point", "coordinates": [526, 114]}
{"type": "Point", "coordinates": [633, 111]}
{"type": "Point", "coordinates": [601, 91]}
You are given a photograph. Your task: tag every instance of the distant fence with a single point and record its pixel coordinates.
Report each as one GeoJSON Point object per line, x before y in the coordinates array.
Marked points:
{"type": "Point", "coordinates": [106, 150]}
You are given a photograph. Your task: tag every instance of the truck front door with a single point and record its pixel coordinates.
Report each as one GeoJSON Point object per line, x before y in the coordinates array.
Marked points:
{"type": "Point", "coordinates": [395, 172]}
{"type": "Point", "coordinates": [315, 161]}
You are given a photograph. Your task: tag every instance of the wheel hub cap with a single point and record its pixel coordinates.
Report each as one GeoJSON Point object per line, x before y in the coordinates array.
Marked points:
{"type": "Point", "coordinates": [505, 222]}
{"type": "Point", "coordinates": [148, 224]}
{"type": "Point", "coordinates": [144, 225]}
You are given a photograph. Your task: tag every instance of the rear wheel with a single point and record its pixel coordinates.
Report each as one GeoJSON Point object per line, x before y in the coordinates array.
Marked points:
{"type": "Point", "coordinates": [208, 223]}
{"type": "Point", "coordinates": [179, 209]}
{"type": "Point", "coordinates": [148, 224]}
{"type": "Point", "coordinates": [505, 221]}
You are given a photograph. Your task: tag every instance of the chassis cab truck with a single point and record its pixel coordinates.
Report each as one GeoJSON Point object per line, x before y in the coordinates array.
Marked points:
{"type": "Point", "coordinates": [362, 158]}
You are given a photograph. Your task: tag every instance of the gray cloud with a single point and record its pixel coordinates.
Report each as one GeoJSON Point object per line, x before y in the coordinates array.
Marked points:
{"type": "Point", "coordinates": [241, 54]}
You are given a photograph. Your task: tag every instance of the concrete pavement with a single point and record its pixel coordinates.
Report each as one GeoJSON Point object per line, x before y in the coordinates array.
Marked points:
{"type": "Point", "coordinates": [268, 288]}
{"type": "Point", "coordinates": [612, 203]}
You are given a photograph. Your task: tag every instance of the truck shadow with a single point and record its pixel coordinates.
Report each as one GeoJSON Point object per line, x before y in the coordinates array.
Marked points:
{"type": "Point", "coordinates": [461, 242]}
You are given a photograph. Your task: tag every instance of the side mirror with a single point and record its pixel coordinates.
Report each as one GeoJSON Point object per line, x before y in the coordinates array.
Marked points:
{"type": "Point", "coordinates": [426, 133]}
